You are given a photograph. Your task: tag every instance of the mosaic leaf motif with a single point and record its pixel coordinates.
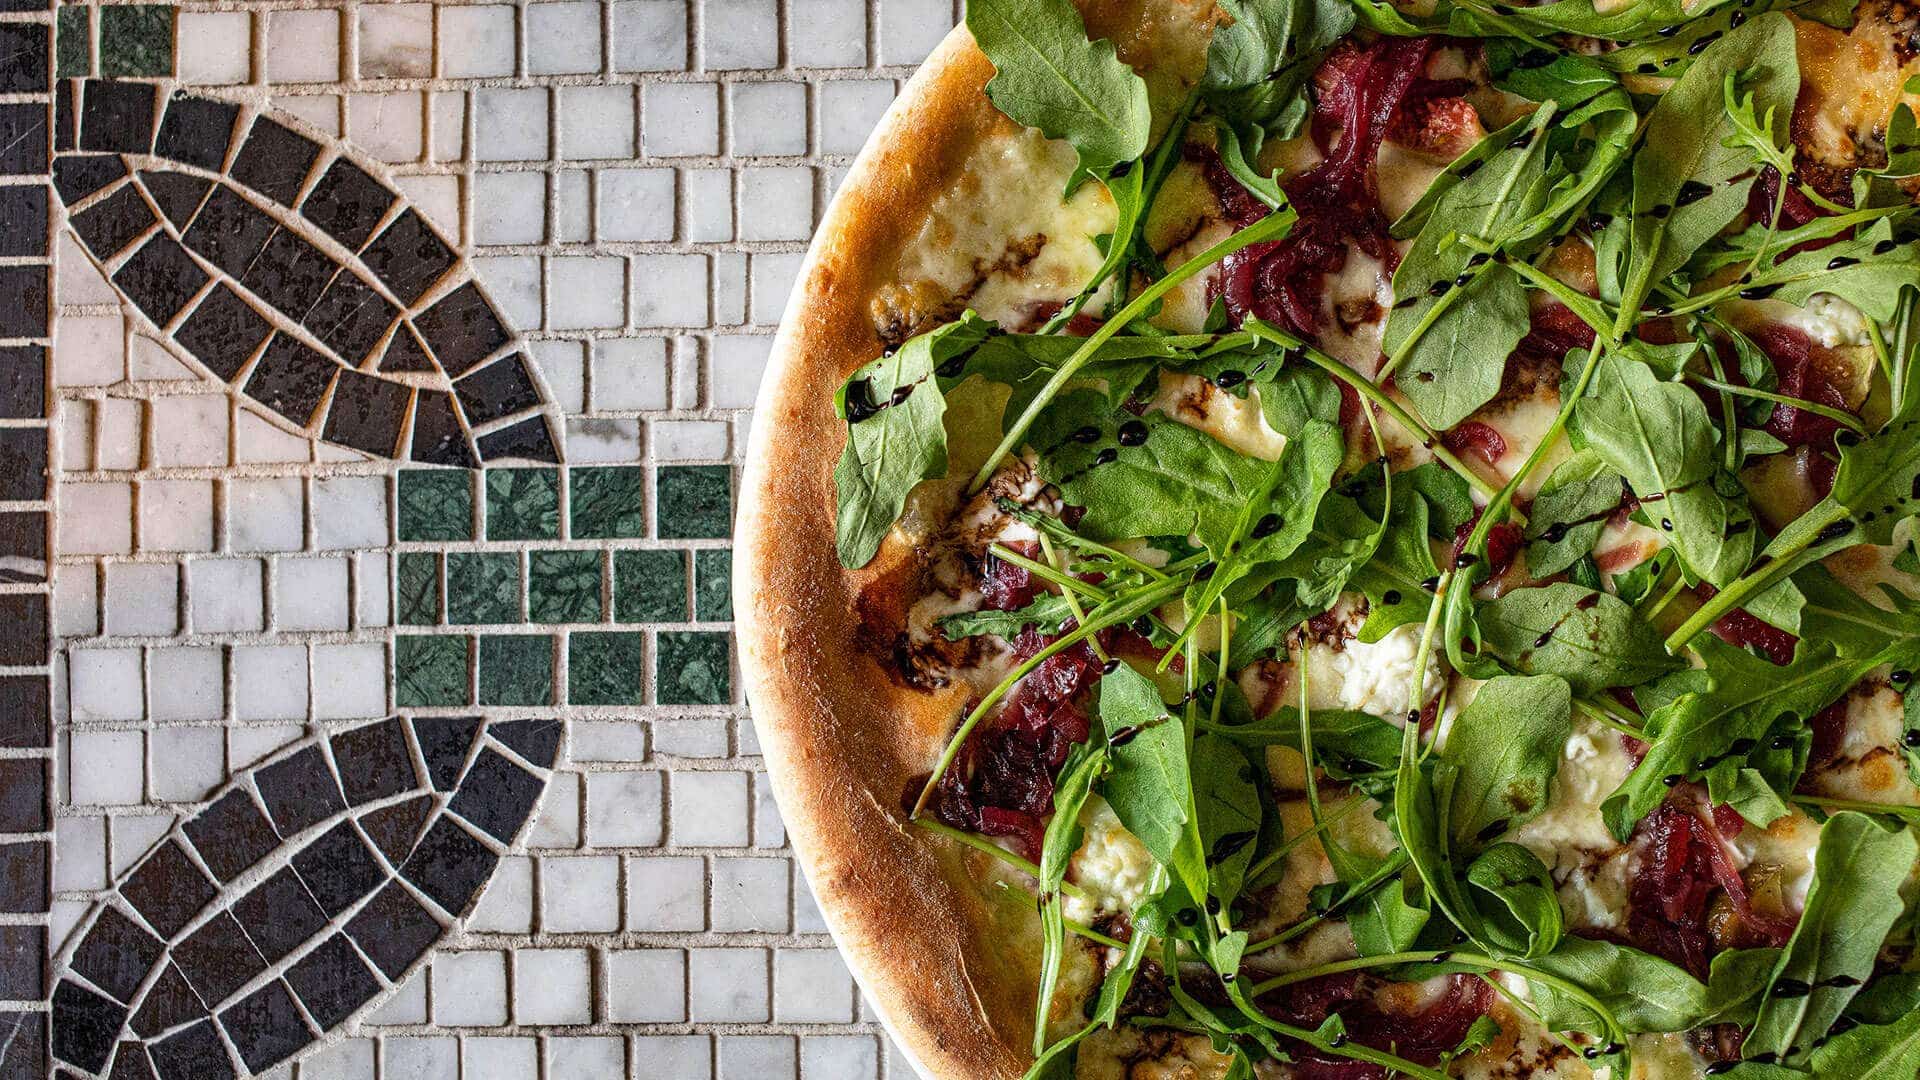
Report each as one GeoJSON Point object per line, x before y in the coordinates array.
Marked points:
{"type": "Point", "coordinates": [299, 895]}
{"type": "Point", "coordinates": [290, 271]}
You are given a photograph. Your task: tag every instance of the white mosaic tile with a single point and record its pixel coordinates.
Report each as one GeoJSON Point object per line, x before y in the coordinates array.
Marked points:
{"type": "Point", "coordinates": [303, 46]}
{"type": "Point", "coordinates": [636, 204]}
{"type": "Point", "coordinates": [681, 119]}
{"type": "Point", "coordinates": [739, 34]}
{"type": "Point", "coordinates": [396, 41]}
{"type": "Point", "coordinates": [743, 1057]}
{"type": "Point", "coordinates": [432, 1057]}
{"type": "Point", "coordinates": [586, 1057]}
{"type": "Point", "coordinates": [728, 986]}
{"type": "Point", "coordinates": [510, 125]}
{"type": "Point", "coordinates": [470, 988]}
{"type": "Point", "coordinates": [666, 893]}
{"type": "Point", "coordinates": [495, 1057]}
{"type": "Point", "coordinates": [580, 894]}
{"type": "Point", "coordinates": [749, 894]}
{"type": "Point", "coordinates": [214, 47]}
{"type": "Point", "coordinates": [563, 38]}
{"type": "Point", "coordinates": [185, 683]}
{"type": "Point", "coordinates": [510, 207]}
{"type": "Point", "coordinates": [597, 122]}
{"type": "Point", "coordinates": [142, 599]}
{"type": "Point", "coordinates": [646, 986]}
{"type": "Point", "coordinates": [768, 118]}
{"type": "Point", "coordinates": [684, 1057]}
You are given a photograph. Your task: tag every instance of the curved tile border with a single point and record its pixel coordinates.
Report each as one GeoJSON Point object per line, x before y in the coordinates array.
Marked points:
{"type": "Point", "coordinates": [296, 897]}
{"type": "Point", "coordinates": [301, 279]}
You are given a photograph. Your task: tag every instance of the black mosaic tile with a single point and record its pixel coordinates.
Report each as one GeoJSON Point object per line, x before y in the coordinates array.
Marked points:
{"type": "Point", "coordinates": [229, 231]}
{"type": "Point", "coordinates": [275, 160]}
{"type": "Point", "coordinates": [169, 1003]}
{"type": "Point", "coordinates": [374, 760]}
{"type": "Point", "coordinates": [461, 329]}
{"type": "Point", "coordinates": [197, 131]}
{"type": "Point", "coordinates": [27, 613]}
{"type": "Point", "coordinates": [394, 829]}
{"type": "Point", "coordinates": [449, 865]}
{"type": "Point", "coordinates": [408, 256]}
{"type": "Point", "coordinates": [338, 868]}
{"type": "Point", "coordinates": [231, 834]}
{"type": "Point", "coordinates": [438, 438]}
{"type": "Point", "coordinates": [500, 389]}
{"type": "Point", "coordinates": [66, 118]}
{"type": "Point", "coordinates": [29, 53]}
{"type": "Point", "coordinates": [160, 278]}
{"type": "Point", "coordinates": [394, 930]}
{"type": "Point", "coordinates": [76, 177]}
{"type": "Point", "coordinates": [108, 226]}
{"type": "Point", "coordinates": [279, 915]}
{"type": "Point", "coordinates": [444, 742]}
{"type": "Point", "coordinates": [23, 301]}
{"type": "Point", "coordinates": [300, 791]}
{"type": "Point", "coordinates": [23, 975]}
{"type": "Point", "coordinates": [529, 439]}
{"type": "Point", "coordinates": [25, 5]}
{"type": "Point", "coordinates": [130, 1063]}
{"type": "Point", "coordinates": [23, 537]}
{"type": "Point", "coordinates": [289, 273]}
{"type": "Point", "coordinates": [23, 1045]}
{"type": "Point", "coordinates": [84, 1026]}
{"type": "Point", "coordinates": [194, 1053]}
{"type": "Point", "coordinates": [23, 795]}
{"type": "Point", "coordinates": [23, 382]}
{"type": "Point", "coordinates": [168, 890]}
{"type": "Point", "coordinates": [333, 981]}
{"type": "Point", "coordinates": [23, 711]}
{"type": "Point", "coordinates": [536, 740]}
{"type": "Point", "coordinates": [290, 379]}
{"type": "Point", "coordinates": [367, 413]}
{"type": "Point", "coordinates": [116, 955]}
{"type": "Point", "coordinates": [217, 959]}
{"type": "Point", "coordinates": [23, 463]}
{"type": "Point", "coordinates": [23, 140]}
{"type": "Point", "coordinates": [177, 194]}
{"type": "Point", "coordinates": [347, 203]}
{"type": "Point", "coordinates": [497, 795]}
{"type": "Point", "coordinates": [350, 317]}
{"type": "Point", "coordinates": [266, 1027]}
{"type": "Point", "coordinates": [23, 220]}
{"type": "Point", "coordinates": [116, 116]}
{"type": "Point", "coordinates": [223, 332]}
{"type": "Point", "coordinates": [23, 877]}
{"type": "Point", "coordinates": [405, 353]}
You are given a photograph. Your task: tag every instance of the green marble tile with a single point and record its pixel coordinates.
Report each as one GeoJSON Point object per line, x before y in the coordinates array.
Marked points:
{"type": "Point", "coordinates": [563, 586]}
{"type": "Point", "coordinates": [691, 668]}
{"type": "Point", "coordinates": [136, 39]}
{"type": "Point", "coordinates": [523, 504]}
{"type": "Point", "coordinates": [603, 668]}
{"type": "Point", "coordinates": [416, 586]}
{"type": "Point", "coordinates": [606, 504]}
{"type": "Point", "coordinates": [429, 670]}
{"type": "Point", "coordinates": [483, 587]}
{"type": "Point", "coordinates": [436, 504]}
{"type": "Point", "coordinates": [713, 585]}
{"type": "Point", "coordinates": [73, 42]}
{"type": "Point", "coordinates": [650, 586]}
{"type": "Point", "coordinates": [694, 502]}
{"type": "Point", "coordinates": [516, 669]}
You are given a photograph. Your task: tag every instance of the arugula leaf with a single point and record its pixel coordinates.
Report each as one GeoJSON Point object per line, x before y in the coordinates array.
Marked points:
{"type": "Point", "coordinates": [1396, 579]}
{"type": "Point", "coordinates": [1871, 272]}
{"type": "Point", "coordinates": [1523, 913]}
{"type": "Point", "coordinates": [1570, 513]}
{"type": "Point", "coordinates": [1047, 75]}
{"type": "Point", "coordinates": [1346, 742]}
{"type": "Point", "coordinates": [1048, 613]}
{"type": "Point", "coordinates": [1688, 184]}
{"type": "Point", "coordinates": [895, 434]}
{"type": "Point", "coordinates": [1506, 747]}
{"type": "Point", "coordinates": [1645, 992]}
{"type": "Point", "coordinates": [1149, 782]}
{"type": "Point", "coordinates": [1257, 69]}
{"type": "Point", "coordinates": [1228, 802]}
{"type": "Point", "coordinates": [1878, 480]}
{"type": "Point", "coordinates": [1854, 901]}
{"type": "Point", "coordinates": [1061, 840]}
{"type": "Point", "coordinates": [1594, 640]}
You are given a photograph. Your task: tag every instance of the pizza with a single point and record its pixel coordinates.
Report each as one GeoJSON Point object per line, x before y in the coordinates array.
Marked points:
{"type": "Point", "coordinates": [1334, 539]}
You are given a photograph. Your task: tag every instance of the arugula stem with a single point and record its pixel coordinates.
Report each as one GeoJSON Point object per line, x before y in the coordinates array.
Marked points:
{"type": "Point", "coordinates": [1111, 614]}
{"type": "Point", "coordinates": [1778, 565]}
{"type": "Point", "coordinates": [1073, 602]}
{"type": "Point", "coordinates": [1067, 582]}
{"type": "Point", "coordinates": [1909, 814]}
{"type": "Point", "coordinates": [1291, 843]}
{"type": "Point", "coordinates": [981, 843]}
{"type": "Point", "coordinates": [1392, 866]}
{"type": "Point", "coordinates": [1271, 227]}
{"type": "Point", "coordinates": [1600, 715]}
{"type": "Point", "coordinates": [1839, 416]}
{"type": "Point", "coordinates": [1358, 963]}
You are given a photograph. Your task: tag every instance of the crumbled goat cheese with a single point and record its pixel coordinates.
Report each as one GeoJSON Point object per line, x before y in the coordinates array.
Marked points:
{"type": "Point", "coordinates": [1831, 322]}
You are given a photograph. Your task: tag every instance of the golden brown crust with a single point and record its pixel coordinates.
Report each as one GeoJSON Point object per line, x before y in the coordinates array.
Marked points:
{"type": "Point", "coordinates": [842, 736]}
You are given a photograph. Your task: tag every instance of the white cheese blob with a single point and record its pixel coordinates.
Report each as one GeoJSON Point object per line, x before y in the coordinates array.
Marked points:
{"type": "Point", "coordinates": [1112, 867]}
{"type": "Point", "coordinates": [1830, 321]}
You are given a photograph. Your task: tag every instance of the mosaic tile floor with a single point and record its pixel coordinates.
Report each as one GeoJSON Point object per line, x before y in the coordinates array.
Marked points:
{"type": "Point", "coordinates": [372, 382]}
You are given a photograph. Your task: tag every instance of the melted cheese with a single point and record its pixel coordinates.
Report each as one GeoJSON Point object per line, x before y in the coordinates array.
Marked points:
{"type": "Point", "coordinates": [1111, 867]}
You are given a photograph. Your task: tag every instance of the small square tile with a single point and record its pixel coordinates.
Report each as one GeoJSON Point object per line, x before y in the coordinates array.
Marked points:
{"type": "Point", "coordinates": [136, 40]}
{"type": "Point", "coordinates": [707, 196]}
{"type": "Point", "coordinates": [417, 589]}
{"type": "Point", "coordinates": [588, 292]}
{"type": "Point", "coordinates": [185, 683]}
{"type": "Point", "coordinates": [349, 681]}
{"type": "Point", "coordinates": [909, 29]}
{"type": "Point", "coordinates": [265, 514]}
{"type": "Point", "coordinates": [681, 119]}
{"type": "Point", "coordinates": [604, 668]}
{"type": "Point", "coordinates": [470, 989]}
{"type": "Point", "coordinates": [580, 894]}
{"type": "Point", "coordinates": [215, 47]}
{"type": "Point", "coordinates": [730, 986]}
{"type": "Point", "coordinates": [670, 290]}
{"type": "Point", "coordinates": [694, 501]}
{"type": "Point", "coordinates": [740, 34]}
{"type": "Point", "coordinates": [586, 1057]}
{"type": "Point", "coordinates": [510, 124]}
{"type": "Point", "coordinates": [270, 682]}
{"type": "Point", "coordinates": [624, 809]}
{"type": "Point", "coordinates": [430, 670]}
{"type": "Point", "coordinates": [483, 587]}
{"type": "Point", "coordinates": [855, 1057]}
{"type": "Point", "coordinates": [710, 809]}
{"type": "Point", "coordinates": [499, 1058]}
{"type": "Point", "coordinates": [650, 35]}
{"type": "Point", "coordinates": [636, 204]}
{"type": "Point", "coordinates": [849, 110]}
{"type": "Point", "coordinates": [523, 504]}
{"type": "Point", "coordinates": [776, 202]}
{"type": "Point", "coordinates": [435, 504]}
{"type": "Point", "coordinates": [390, 127]}
{"type": "Point", "coordinates": [476, 41]}
{"type": "Point", "coordinates": [833, 35]}
{"type": "Point", "coordinates": [563, 38]}
{"type": "Point", "coordinates": [396, 41]}
{"type": "Point", "coordinates": [516, 669]}
{"type": "Point", "coordinates": [190, 430]}
{"type": "Point", "coordinates": [350, 512]}
{"type": "Point", "coordinates": [303, 46]}
{"type": "Point", "coordinates": [94, 519]}
{"type": "Point", "coordinates": [104, 684]}
{"type": "Point", "coordinates": [647, 986]}
{"type": "Point", "coordinates": [811, 986]}
{"type": "Point", "coordinates": [748, 894]}
{"type": "Point", "coordinates": [143, 598]}
{"type": "Point", "coordinates": [666, 893]}
{"type": "Point", "coordinates": [510, 207]}
{"type": "Point", "coordinates": [311, 594]}
{"type": "Point", "coordinates": [650, 586]}
{"type": "Point", "coordinates": [506, 907]}
{"type": "Point", "coordinates": [552, 986]}
{"type": "Point", "coordinates": [692, 668]}
{"type": "Point", "coordinates": [713, 585]}
{"type": "Point", "coordinates": [115, 772]}
{"type": "Point", "coordinates": [769, 118]}
{"type": "Point", "coordinates": [606, 503]}
{"type": "Point", "coordinates": [598, 121]}
{"type": "Point", "coordinates": [558, 823]}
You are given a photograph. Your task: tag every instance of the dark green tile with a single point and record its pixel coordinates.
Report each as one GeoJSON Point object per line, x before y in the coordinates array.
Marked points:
{"type": "Point", "coordinates": [691, 668]}
{"type": "Point", "coordinates": [136, 39]}
{"type": "Point", "coordinates": [563, 586]}
{"type": "Point", "coordinates": [603, 669]}
{"type": "Point", "coordinates": [429, 670]}
{"type": "Point", "coordinates": [713, 585]}
{"type": "Point", "coordinates": [605, 504]}
{"type": "Point", "coordinates": [73, 42]}
{"type": "Point", "coordinates": [483, 587]}
{"type": "Point", "coordinates": [416, 589]}
{"type": "Point", "coordinates": [523, 504]}
{"type": "Point", "coordinates": [516, 669]}
{"type": "Point", "coordinates": [694, 502]}
{"type": "Point", "coordinates": [436, 504]}
{"type": "Point", "coordinates": [650, 586]}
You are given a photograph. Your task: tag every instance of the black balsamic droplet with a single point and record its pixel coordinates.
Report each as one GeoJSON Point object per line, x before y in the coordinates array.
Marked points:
{"type": "Point", "coordinates": [1132, 433]}
{"type": "Point", "coordinates": [1229, 379]}
{"type": "Point", "coordinates": [1266, 526]}
{"type": "Point", "coordinates": [1692, 192]}
{"type": "Point", "coordinates": [1390, 597]}
{"type": "Point", "coordinates": [1106, 457]}
{"type": "Point", "coordinates": [1086, 434]}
